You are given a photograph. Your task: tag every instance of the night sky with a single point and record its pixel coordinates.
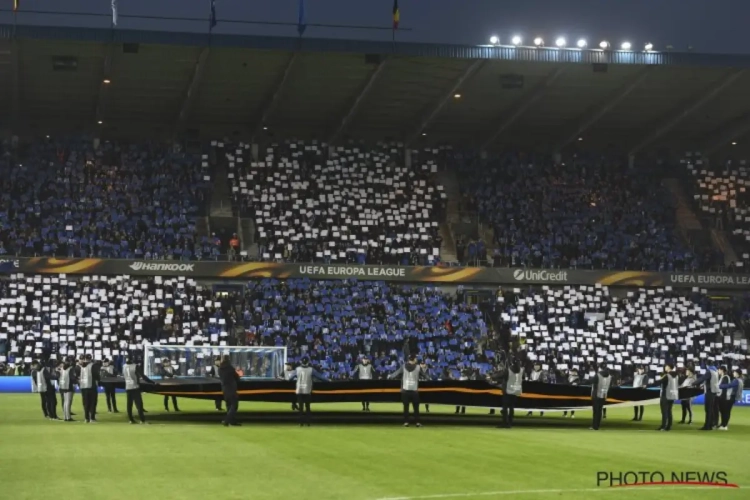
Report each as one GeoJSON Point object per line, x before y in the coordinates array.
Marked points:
{"type": "Point", "coordinates": [706, 25]}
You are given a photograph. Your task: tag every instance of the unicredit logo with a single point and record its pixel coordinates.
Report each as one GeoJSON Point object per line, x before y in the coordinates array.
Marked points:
{"type": "Point", "coordinates": [543, 275]}
{"type": "Point", "coordinates": [148, 266]}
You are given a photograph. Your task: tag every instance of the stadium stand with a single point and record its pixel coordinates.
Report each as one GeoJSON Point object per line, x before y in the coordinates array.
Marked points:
{"type": "Point", "coordinates": [332, 322]}
{"type": "Point", "coordinates": [86, 198]}
{"type": "Point", "coordinates": [353, 204]}
{"type": "Point", "coordinates": [336, 322]}
{"type": "Point", "coordinates": [580, 214]}
{"type": "Point", "coordinates": [577, 327]}
{"type": "Point", "coordinates": [721, 194]}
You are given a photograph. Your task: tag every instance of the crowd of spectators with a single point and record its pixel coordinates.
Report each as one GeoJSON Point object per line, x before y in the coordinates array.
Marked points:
{"type": "Point", "coordinates": [91, 198]}
{"type": "Point", "coordinates": [577, 328]}
{"type": "Point", "coordinates": [581, 214]}
{"type": "Point", "coordinates": [353, 204]}
{"type": "Point", "coordinates": [335, 323]}
{"type": "Point", "coordinates": [332, 322]}
{"type": "Point", "coordinates": [722, 195]}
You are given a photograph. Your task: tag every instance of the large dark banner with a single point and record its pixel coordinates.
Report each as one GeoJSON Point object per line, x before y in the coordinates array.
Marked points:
{"type": "Point", "coordinates": [466, 393]}
{"type": "Point", "coordinates": [466, 275]}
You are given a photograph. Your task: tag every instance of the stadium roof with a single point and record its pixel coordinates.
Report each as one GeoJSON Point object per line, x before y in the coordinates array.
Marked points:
{"type": "Point", "coordinates": [525, 98]}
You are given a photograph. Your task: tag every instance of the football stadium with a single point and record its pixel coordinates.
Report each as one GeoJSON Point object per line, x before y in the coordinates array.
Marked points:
{"type": "Point", "coordinates": [280, 267]}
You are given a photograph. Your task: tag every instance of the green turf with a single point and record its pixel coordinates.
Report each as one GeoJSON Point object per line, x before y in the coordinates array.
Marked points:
{"type": "Point", "coordinates": [43, 459]}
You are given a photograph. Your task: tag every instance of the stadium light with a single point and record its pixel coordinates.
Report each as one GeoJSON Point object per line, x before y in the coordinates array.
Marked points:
{"type": "Point", "coordinates": [100, 122]}
{"type": "Point", "coordinates": [494, 40]}
{"type": "Point", "coordinates": [516, 40]}
{"type": "Point", "coordinates": [265, 128]}
{"type": "Point", "coordinates": [626, 46]}
{"type": "Point", "coordinates": [538, 41]}
{"type": "Point", "coordinates": [649, 47]}
{"type": "Point", "coordinates": [424, 134]}
{"type": "Point", "coordinates": [581, 43]}
{"type": "Point", "coordinates": [734, 143]}
{"type": "Point", "coordinates": [106, 81]}
{"type": "Point", "coordinates": [604, 45]}
{"type": "Point", "coordinates": [580, 138]}
{"type": "Point", "coordinates": [457, 96]}
{"type": "Point", "coordinates": [560, 42]}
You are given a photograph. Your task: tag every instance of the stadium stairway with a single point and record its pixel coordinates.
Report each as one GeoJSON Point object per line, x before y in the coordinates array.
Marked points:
{"type": "Point", "coordinates": [202, 227]}
{"type": "Point", "coordinates": [686, 218]}
{"type": "Point", "coordinates": [448, 179]}
{"type": "Point", "coordinates": [721, 242]}
{"type": "Point", "coordinates": [221, 198]}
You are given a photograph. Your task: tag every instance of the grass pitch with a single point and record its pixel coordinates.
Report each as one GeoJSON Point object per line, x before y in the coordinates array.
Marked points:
{"type": "Point", "coordinates": [184, 459]}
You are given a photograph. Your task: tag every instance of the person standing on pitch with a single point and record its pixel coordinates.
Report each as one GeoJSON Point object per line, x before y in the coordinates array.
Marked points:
{"type": "Point", "coordinates": [669, 392]}
{"type": "Point", "coordinates": [365, 372]}
{"type": "Point", "coordinates": [289, 374]}
{"type": "Point", "coordinates": [599, 391]}
{"type": "Point", "coordinates": [537, 375]}
{"type": "Point", "coordinates": [513, 389]}
{"type": "Point", "coordinates": [229, 378]}
{"type": "Point", "coordinates": [66, 381]}
{"type": "Point", "coordinates": [573, 379]}
{"type": "Point", "coordinates": [639, 381]}
{"type": "Point", "coordinates": [35, 387]}
{"type": "Point", "coordinates": [425, 376]}
{"type": "Point", "coordinates": [731, 393]}
{"type": "Point", "coordinates": [710, 382]}
{"type": "Point", "coordinates": [410, 372]}
{"type": "Point", "coordinates": [305, 375]}
{"type": "Point", "coordinates": [168, 373]}
{"type": "Point", "coordinates": [88, 389]}
{"type": "Point", "coordinates": [108, 371]}
{"type": "Point", "coordinates": [133, 374]}
{"type": "Point", "coordinates": [47, 390]}
{"type": "Point", "coordinates": [687, 404]}
{"type": "Point", "coordinates": [213, 371]}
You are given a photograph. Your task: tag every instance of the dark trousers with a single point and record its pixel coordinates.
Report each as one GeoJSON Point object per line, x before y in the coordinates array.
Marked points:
{"type": "Point", "coordinates": [43, 399]}
{"type": "Point", "coordinates": [303, 406]}
{"type": "Point", "coordinates": [709, 399]}
{"type": "Point", "coordinates": [666, 413]}
{"type": "Point", "coordinates": [109, 392]}
{"type": "Point", "coordinates": [217, 403]}
{"type": "Point", "coordinates": [410, 398]}
{"type": "Point", "coordinates": [460, 409]}
{"type": "Point", "coordinates": [233, 403]}
{"type": "Point", "coordinates": [365, 405]}
{"type": "Point", "coordinates": [134, 397]}
{"type": "Point", "coordinates": [95, 401]}
{"type": "Point", "coordinates": [638, 413]}
{"type": "Point", "coordinates": [509, 408]}
{"type": "Point", "coordinates": [174, 403]}
{"type": "Point", "coordinates": [687, 410]}
{"type": "Point", "coordinates": [51, 398]}
{"type": "Point", "coordinates": [89, 408]}
{"type": "Point", "coordinates": [725, 405]}
{"type": "Point", "coordinates": [598, 404]}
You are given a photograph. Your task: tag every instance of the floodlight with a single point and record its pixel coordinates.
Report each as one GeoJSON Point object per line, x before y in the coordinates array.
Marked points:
{"type": "Point", "coordinates": [625, 46]}
{"type": "Point", "coordinates": [560, 42]}
{"type": "Point", "coordinates": [494, 40]}
{"type": "Point", "coordinates": [581, 43]}
{"type": "Point", "coordinates": [516, 40]}
{"type": "Point", "coordinates": [538, 41]}
{"type": "Point", "coordinates": [649, 46]}
{"type": "Point", "coordinates": [604, 44]}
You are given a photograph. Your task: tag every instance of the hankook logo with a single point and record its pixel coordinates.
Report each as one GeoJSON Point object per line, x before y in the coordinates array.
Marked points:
{"type": "Point", "coordinates": [544, 276]}
{"type": "Point", "coordinates": [148, 266]}
{"type": "Point", "coordinates": [14, 263]}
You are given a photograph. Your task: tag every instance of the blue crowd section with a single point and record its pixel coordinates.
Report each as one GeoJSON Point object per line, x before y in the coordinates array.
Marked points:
{"type": "Point", "coordinates": [585, 214]}
{"type": "Point", "coordinates": [80, 198]}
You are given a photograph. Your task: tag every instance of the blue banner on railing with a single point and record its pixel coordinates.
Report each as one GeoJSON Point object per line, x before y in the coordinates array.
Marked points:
{"type": "Point", "coordinates": [745, 401]}
{"type": "Point", "coordinates": [19, 385]}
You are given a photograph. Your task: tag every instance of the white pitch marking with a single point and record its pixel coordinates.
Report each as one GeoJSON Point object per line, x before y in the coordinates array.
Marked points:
{"type": "Point", "coordinates": [532, 492]}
